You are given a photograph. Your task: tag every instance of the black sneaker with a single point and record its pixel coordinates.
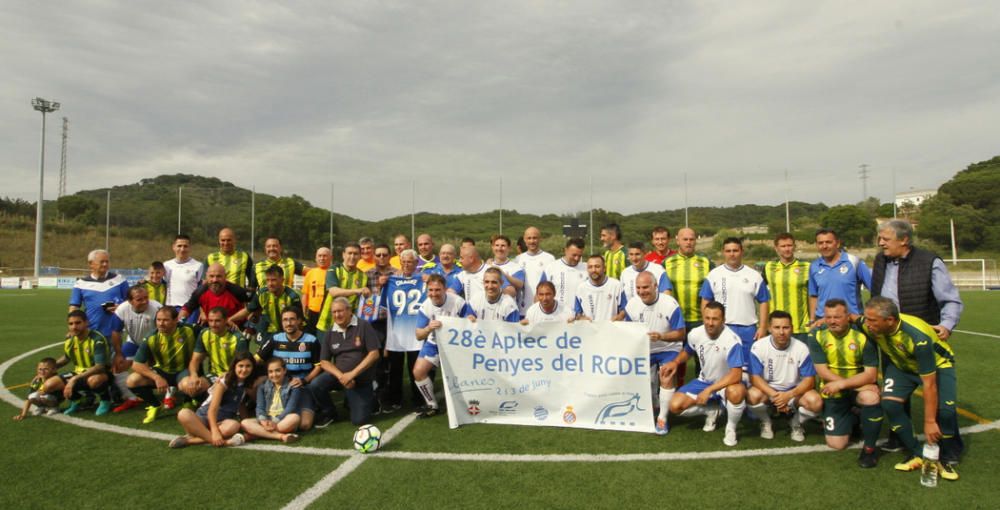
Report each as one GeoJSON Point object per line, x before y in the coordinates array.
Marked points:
{"type": "Point", "coordinates": [323, 422]}
{"type": "Point", "coordinates": [427, 412]}
{"type": "Point", "coordinates": [893, 444]}
{"type": "Point", "coordinates": [868, 457]}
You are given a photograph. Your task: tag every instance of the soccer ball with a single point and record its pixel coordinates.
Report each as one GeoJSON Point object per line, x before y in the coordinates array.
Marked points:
{"type": "Point", "coordinates": [367, 439]}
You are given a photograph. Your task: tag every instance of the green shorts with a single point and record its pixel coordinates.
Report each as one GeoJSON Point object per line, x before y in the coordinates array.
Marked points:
{"type": "Point", "coordinates": [900, 384]}
{"type": "Point", "coordinates": [838, 420]}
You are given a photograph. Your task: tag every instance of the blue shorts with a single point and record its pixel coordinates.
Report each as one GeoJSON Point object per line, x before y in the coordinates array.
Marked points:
{"type": "Point", "coordinates": [746, 334]}
{"type": "Point", "coordinates": [695, 387]}
{"type": "Point", "coordinates": [430, 352]}
{"type": "Point", "coordinates": [129, 348]}
{"type": "Point", "coordinates": [662, 358]}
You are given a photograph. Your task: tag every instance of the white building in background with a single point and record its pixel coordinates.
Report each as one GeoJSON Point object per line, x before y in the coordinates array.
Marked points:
{"type": "Point", "coordinates": [914, 197]}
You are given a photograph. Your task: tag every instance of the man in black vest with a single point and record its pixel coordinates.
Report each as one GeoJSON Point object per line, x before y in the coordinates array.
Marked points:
{"type": "Point", "coordinates": [918, 282]}
{"type": "Point", "coordinates": [915, 279]}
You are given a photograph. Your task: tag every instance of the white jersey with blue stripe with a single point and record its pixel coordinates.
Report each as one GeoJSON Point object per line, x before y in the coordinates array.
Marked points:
{"type": "Point", "coordinates": [565, 278]}
{"type": "Point", "coordinates": [631, 273]}
{"type": "Point", "coordinates": [535, 314]}
{"type": "Point", "coordinates": [600, 302]}
{"type": "Point", "coordinates": [503, 309]}
{"type": "Point", "coordinates": [739, 290]}
{"type": "Point", "coordinates": [453, 306]}
{"type": "Point", "coordinates": [662, 316]}
{"type": "Point", "coordinates": [717, 356]}
{"type": "Point", "coordinates": [534, 265]}
{"type": "Point", "coordinates": [783, 369]}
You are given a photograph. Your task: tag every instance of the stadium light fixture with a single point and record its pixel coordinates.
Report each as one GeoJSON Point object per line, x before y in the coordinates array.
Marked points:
{"type": "Point", "coordinates": [43, 106]}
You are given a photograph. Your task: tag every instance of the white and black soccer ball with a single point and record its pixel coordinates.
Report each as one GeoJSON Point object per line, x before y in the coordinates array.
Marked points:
{"type": "Point", "coordinates": [367, 438]}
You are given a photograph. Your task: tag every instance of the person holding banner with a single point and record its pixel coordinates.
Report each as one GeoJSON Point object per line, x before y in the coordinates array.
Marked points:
{"type": "Point", "coordinates": [546, 308]}
{"type": "Point", "coordinates": [567, 273]}
{"type": "Point", "coordinates": [402, 296]}
{"type": "Point", "coordinates": [720, 352]}
{"type": "Point", "coordinates": [439, 303]}
{"type": "Point", "coordinates": [662, 316]}
{"type": "Point", "coordinates": [493, 305]}
{"type": "Point", "coordinates": [602, 298]}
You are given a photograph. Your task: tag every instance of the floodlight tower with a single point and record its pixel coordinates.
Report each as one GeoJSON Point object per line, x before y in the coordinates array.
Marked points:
{"type": "Point", "coordinates": [62, 161]}
{"type": "Point", "coordinates": [43, 106]}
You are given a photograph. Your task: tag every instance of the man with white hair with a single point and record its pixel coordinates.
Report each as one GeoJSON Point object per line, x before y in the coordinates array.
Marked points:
{"type": "Point", "coordinates": [99, 293]}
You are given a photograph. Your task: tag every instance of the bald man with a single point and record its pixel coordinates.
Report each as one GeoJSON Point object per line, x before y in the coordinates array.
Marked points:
{"type": "Point", "coordinates": [533, 260]}
{"type": "Point", "coordinates": [217, 291]}
{"type": "Point", "coordinates": [427, 261]}
{"type": "Point", "coordinates": [469, 283]}
{"type": "Point", "coordinates": [238, 264]}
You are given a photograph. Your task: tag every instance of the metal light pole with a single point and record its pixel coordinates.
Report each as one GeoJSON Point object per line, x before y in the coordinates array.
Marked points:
{"type": "Point", "coordinates": [43, 106]}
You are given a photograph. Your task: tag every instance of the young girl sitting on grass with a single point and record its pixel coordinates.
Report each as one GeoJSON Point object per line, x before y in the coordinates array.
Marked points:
{"type": "Point", "coordinates": [277, 406]}
{"type": "Point", "coordinates": [217, 420]}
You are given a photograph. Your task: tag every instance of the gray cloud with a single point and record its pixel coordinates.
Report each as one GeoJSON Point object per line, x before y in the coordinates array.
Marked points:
{"type": "Point", "coordinates": [454, 96]}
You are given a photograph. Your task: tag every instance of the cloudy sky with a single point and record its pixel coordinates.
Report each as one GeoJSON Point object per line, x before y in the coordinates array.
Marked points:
{"type": "Point", "coordinates": [455, 96]}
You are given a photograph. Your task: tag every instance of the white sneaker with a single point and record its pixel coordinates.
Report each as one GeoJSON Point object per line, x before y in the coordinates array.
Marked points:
{"type": "Point", "coordinates": [798, 434]}
{"type": "Point", "coordinates": [730, 438]}
{"type": "Point", "coordinates": [766, 431]}
{"type": "Point", "coordinates": [36, 411]}
{"type": "Point", "coordinates": [711, 416]}
{"type": "Point", "coordinates": [52, 411]}
{"type": "Point", "coordinates": [236, 440]}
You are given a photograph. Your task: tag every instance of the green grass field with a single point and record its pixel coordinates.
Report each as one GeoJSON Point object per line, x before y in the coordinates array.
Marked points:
{"type": "Point", "coordinates": [48, 462]}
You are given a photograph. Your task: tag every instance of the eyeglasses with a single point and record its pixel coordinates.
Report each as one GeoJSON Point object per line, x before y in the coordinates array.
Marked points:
{"type": "Point", "coordinates": [381, 254]}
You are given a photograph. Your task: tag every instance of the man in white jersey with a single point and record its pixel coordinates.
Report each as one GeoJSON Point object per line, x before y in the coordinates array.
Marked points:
{"type": "Point", "coordinates": [637, 264]}
{"type": "Point", "coordinates": [469, 282]}
{"type": "Point", "coordinates": [721, 376]}
{"type": "Point", "coordinates": [602, 297]}
{"type": "Point", "coordinates": [492, 304]}
{"type": "Point", "coordinates": [665, 326]}
{"type": "Point", "coordinates": [742, 291]}
{"type": "Point", "coordinates": [782, 376]}
{"type": "Point", "coordinates": [567, 273]}
{"type": "Point", "coordinates": [439, 303]}
{"type": "Point", "coordinates": [533, 260]}
{"type": "Point", "coordinates": [184, 274]}
{"type": "Point", "coordinates": [136, 319]}
{"type": "Point", "coordinates": [513, 272]}
{"type": "Point", "coordinates": [546, 308]}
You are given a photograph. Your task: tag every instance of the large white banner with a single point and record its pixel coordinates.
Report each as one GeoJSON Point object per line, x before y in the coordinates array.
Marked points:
{"type": "Point", "coordinates": [580, 375]}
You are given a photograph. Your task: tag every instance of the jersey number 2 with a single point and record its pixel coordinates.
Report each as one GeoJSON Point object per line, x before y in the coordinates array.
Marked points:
{"type": "Point", "coordinates": [406, 302]}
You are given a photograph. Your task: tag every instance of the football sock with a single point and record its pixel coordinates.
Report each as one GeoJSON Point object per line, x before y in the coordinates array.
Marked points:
{"type": "Point", "coordinates": [666, 394]}
{"type": "Point", "coordinates": [426, 388]}
{"type": "Point", "coordinates": [802, 415]}
{"type": "Point", "coordinates": [694, 410]}
{"type": "Point", "coordinates": [734, 412]}
{"type": "Point", "coordinates": [871, 424]}
{"type": "Point", "coordinates": [901, 424]}
{"type": "Point", "coordinates": [146, 393]}
{"type": "Point", "coordinates": [120, 379]}
{"type": "Point", "coordinates": [760, 412]}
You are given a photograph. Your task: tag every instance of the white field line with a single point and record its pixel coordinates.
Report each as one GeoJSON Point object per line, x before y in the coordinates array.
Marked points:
{"type": "Point", "coordinates": [332, 478]}
{"type": "Point", "coordinates": [976, 333]}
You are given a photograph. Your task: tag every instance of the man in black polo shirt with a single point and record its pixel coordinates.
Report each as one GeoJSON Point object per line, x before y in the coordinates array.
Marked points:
{"type": "Point", "coordinates": [348, 353]}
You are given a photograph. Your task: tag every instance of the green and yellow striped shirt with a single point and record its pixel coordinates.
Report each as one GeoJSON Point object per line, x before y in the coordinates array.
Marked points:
{"type": "Point", "coordinates": [845, 356]}
{"type": "Point", "coordinates": [170, 353]}
{"type": "Point", "coordinates": [615, 261]}
{"type": "Point", "coordinates": [221, 349]}
{"type": "Point", "coordinates": [914, 347]}
{"type": "Point", "coordinates": [87, 352]}
{"type": "Point", "coordinates": [288, 265]}
{"type": "Point", "coordinates": [157, 291]}
{"type": "Point", "coordinates": [270, 307]}
{"type": "Point", "coordinates": [789, 286]}
{"type": "Point", "coordinates": [686, 275]}
{"type": "Point", "coordinates": [342, 278]}
{"type": "Point", "coordinates": [237, 266]}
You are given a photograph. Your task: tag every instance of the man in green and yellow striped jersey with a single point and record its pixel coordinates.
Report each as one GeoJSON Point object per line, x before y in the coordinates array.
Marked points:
{"type": "Point", "coordinates": [687, 271]}
{"type": "Point", "coordinates": [344, 280]}
{"type": "Point", "coordinates": [787, 279]}
{"type": "Point", "coordinates": [615, 254]}
{"type": "Point", "coordinates": [219, 344]}
{"type": "Point", "coordinates": [88, 350]}
{"type": "Point", "coordinates": [239, 266]}
{"type": "Point", "coordinates": [161, 361]}
{"type": "Point", "coordinates": [275, 257]}
{"type": "Point", "coordinates": [847, 366]}
{"type": "Point", "coordinates": [264, 308]}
